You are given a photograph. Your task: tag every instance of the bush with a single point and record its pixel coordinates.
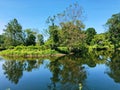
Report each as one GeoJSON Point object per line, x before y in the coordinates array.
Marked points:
{"type": "Point", "coordinates": [11, 47]}
{"type": "Point", "coordinates": [63, 50]}
{"type": "Point", "coordinates": [19, 48]}
{"type": "Point", "coordinates": [23, 51]}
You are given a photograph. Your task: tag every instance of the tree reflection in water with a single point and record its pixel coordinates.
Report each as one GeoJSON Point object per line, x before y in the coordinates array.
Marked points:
{"type": "Point", "coordinates": [13, 69]}
{"type": "Point", "coordinates": [114, 67]}
{"type": "Point", "coordinates": [68, 72]}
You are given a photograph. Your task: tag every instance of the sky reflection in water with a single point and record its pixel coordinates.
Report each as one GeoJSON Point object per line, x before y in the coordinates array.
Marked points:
{"type": "Point", "coordinates": [93, 71]}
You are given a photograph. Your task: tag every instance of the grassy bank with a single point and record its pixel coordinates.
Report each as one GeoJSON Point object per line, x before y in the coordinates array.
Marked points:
{"type": "Point", "coordinates": [99, 47]}
{"type": "Point", "coordinates": [32, 51]}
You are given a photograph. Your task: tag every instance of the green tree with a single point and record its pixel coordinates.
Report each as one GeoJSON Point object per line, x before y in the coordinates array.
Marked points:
{"type": "Point", "coordinates": [113, 25]}
{"type": "Point", "coordinates": [40, 39]}
{"type": "Point", "coordinates": [30, 37]}
{"type": "Point", "coordinates": [72, 36]}
{"type": "Point", "coordinates": [71, 24]}
{"type": "Point", "coordinates": [66, 27]}
{"type": "Point", "coordinates": [90, 35]}
{"type": "Point", "coordinates": [54, 34]}
{"type": "Point", "coordinates": [101, 42]}
{"type": "Point", "coordinates": [13, 33]}
{"type": "Point", "coordinates": [30, 40]}
{"type": "Point", "coordinates": [1, 41]}
{"type": "Point", "coordinates": [53, 31]}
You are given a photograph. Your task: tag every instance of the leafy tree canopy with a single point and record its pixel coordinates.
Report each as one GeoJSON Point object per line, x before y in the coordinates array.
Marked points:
{"type": "Point", "coordinates": [113, 25]}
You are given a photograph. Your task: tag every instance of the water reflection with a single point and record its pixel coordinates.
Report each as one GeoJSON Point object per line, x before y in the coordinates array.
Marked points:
{"type": "Point", "coordinates": [114, 67]}
{"type": "Point", "coordinates": [68, 72]}
{"type": "Point", "coordinates": [13, 69]}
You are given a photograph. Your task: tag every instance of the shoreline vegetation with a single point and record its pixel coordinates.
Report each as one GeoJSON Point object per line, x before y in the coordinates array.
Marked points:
{"type": "Point", "coordinates": [32, 51]}
{"type": "Point", "coordinates": [45, 51]}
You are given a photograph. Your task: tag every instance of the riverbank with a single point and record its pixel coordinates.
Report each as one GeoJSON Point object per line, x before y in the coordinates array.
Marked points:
{"type": "Point", "coordinates": [33, 51]}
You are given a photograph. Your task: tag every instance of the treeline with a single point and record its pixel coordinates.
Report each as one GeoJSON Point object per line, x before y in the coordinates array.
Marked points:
{"type": "Point", "coordinates": [65, 29]}
{"type": "Point", "coordinates": [14, 35]}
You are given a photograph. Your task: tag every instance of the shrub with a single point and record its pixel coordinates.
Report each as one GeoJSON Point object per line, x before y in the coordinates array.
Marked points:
{"type": "Point", "coordinates": [63, 49]}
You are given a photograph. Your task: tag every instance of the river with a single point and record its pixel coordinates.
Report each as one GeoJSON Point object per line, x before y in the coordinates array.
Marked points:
{"type": "Point", "coordinates": [92, 71]}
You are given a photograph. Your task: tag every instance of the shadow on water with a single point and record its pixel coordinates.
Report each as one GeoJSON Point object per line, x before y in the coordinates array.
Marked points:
{"type": "Point", "coordinates": [68, 72]}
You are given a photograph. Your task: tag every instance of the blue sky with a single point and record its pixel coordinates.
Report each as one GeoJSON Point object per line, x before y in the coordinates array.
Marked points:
{"type": "Point", "coordinates": [33, 13]}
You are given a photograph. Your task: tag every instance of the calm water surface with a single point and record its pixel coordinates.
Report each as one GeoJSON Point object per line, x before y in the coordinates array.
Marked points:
{"type": "Point", "coordinates": [93, 71]}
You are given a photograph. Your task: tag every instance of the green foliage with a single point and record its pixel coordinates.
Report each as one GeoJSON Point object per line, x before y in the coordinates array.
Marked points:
{"type": "Point", "coordinates": [28, 51]}
{"type": "Point", "coordinates": [65, 35]}
{"type": "Point", "coordinates": [10, 47]}
{"type": "Point", "coordinates": [30, 40]}
{"type": "Point", "coordinates": [113, 25]}
{"type": "Point", "coordinates": [40, 39]}
{"type": "Point", "coordinates": [13, 34]}
{"type": "Point", "coordinates": [54, 34]}
{"type": "Point", "coordinates": [79, 48]}
{"type": "Point", "coordinates": [64, 50]}
{"type": "Point", "coordinates": [1, 39]}
{"type": "Point", "coordinates": [67, 31]}
{"type": "Point", "coordinates": [71, 35]}
{"type": "Point", "coordinates": [90, 35]}
{"type": "Point", "coordinates": [101, 41]}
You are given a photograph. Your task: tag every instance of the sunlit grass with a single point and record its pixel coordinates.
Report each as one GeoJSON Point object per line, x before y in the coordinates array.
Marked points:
{"type": "Point", "coordinates": [31, 51]}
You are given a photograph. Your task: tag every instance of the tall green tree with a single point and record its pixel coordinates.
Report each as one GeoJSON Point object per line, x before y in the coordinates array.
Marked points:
{"type": "Point", "coordinates": [90, 35]}
{"type": "Point", "coordinates": [30, 37]}
{"type": "Point", "coordinates": [72, 36]}
{"type": "Point", "coordinates": [53, 31]}
{"type": "Point", "coordinates": [13, 33]}
{"type": "Point", "coordinates": [113, 25]}
{"type": "Point", "coordinates": [70, 25]}
{"type": "Point", "coordinates": [40, 39]}
{"type": "Point", "coordinates": [1, 40]}
{"type": "Point", "coordinates": [54, 34]}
